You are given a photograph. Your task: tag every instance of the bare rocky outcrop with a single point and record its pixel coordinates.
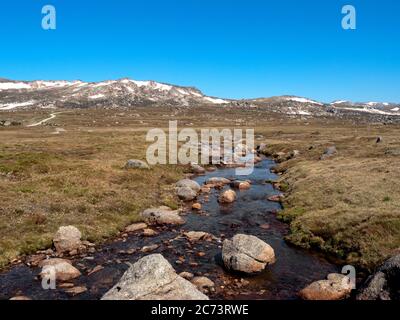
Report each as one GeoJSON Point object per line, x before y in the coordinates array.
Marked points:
{"type": "Point", "coordinates": [336, 287]}
{"type": "Point", "coordinates": [153, 278]}
{"type": "Point", "coordinates": [246, 253]}
{"type": "Point", "coordinates": [162, 215]}
{"type": "Point", "coordinates": [67, 239]}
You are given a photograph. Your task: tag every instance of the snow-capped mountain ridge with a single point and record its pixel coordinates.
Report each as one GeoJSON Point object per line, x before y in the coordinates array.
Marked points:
{"type": "Point", "coordinates": [123, 92]}
{"type": "Point", "coordinates": [130, 93]}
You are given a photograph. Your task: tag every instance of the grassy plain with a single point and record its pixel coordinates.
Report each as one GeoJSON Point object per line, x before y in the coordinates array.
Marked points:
{"type": "Point", "coordinates": [348, 205]}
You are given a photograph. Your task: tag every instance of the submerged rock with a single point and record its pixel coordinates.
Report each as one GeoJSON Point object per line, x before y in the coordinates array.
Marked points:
{"type": "Point", "coordinates": [217, 182]}
{"type": "Point", "coordinates": [336, 287]}
{"type": "Point", "coordinates": [162, 215]}
{"type": "Point", "coordinates": [246, 253]}
{"type": "Point", "coordinates": [153, 278]}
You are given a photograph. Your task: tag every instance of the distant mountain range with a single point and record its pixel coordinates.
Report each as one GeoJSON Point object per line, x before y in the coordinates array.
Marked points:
{"type": "Point", "coordinates": [131, 93]}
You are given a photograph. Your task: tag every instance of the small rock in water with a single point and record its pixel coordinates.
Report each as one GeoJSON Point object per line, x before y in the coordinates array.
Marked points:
{"type": "Point", "coordinates": [217, 182]}
{"type": "Point", "coordinates": [149, 232]}
{"type": "Point", "coordinates": [227, 196]}
{"type": "Point", "coordinates": [336, 287]}
{"type": "Point", "coordinates": [241, 185]}
{"type": "Point", "coordinates": [204, 284]}
{"type": "Point", "coordinates": [196, 206]}
{"type": "Point", "coordinates": [197, 235]}
{"type": "Point", "coordinates": [76, 290]}
{"type": "Point", "coordinates": [246, 253]}
{"type": "Point", "coordinates": [95, 269]}
{"type": "Point", "coordinates": [147, 249]}
{"type": "Point", "coordinates": [205, 189]}
{"type": "Point", "coordinates": [135, 227]}
{"type": "Point", "coordinates": [66, 285]}
{"type": "Point", "coordinates": [62, 268]}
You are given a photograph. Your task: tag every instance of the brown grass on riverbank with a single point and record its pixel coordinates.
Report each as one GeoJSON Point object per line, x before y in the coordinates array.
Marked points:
{"type": "Point", "coordinates": [73, 178]}
{"type": "Point", "coordinates": [348, 205]}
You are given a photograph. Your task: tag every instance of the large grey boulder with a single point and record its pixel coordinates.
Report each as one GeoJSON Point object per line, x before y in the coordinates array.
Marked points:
{"type": "Point", "coordinates": [246, 253]}
{"type": "Point", "coordinates": [153, 278]}
{"type": "Point", "coordinates": [136, 164]}
{"type": "Point", "coordinates": [187, 189]}
{"type": "Point", "coordinates": [162, 215]}
{"type": "Point", "coordinates": [188, 183]}
{"type": "Point", "coordinates": [67, 239]}
{"type": "Point", "coordinates": [186, 194]}
{"type": "Point", "coordinates": [385, 282]}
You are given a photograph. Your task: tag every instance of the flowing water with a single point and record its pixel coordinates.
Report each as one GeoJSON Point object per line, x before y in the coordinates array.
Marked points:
{"type": "Point", "coordinates": [250, 214]}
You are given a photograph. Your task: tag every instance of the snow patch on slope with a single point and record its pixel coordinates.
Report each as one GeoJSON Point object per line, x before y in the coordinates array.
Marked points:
{"type": "Point", "coordinates": [9, 106]}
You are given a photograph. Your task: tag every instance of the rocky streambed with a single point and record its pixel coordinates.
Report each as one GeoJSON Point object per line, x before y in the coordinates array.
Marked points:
{"type": "Point", "coordinates": [193, 247]}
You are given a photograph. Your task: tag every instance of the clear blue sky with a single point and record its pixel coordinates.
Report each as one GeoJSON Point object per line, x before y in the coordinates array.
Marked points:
{"type": "Point", "coordinates": [226, 48]}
